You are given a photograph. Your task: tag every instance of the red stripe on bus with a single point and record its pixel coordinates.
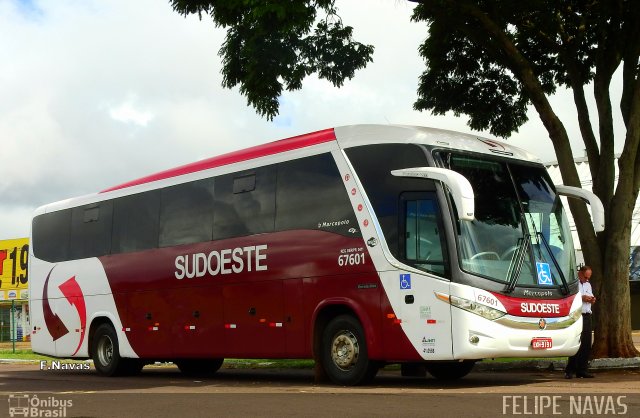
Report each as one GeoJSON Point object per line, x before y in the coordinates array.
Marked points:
{"type": "Point", "coordinates": [258, 151]}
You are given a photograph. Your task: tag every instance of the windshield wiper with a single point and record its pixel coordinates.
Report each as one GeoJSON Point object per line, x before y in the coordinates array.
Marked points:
{"type": "Point", "coordinates": [565, 285]}
{"type": "Point", "coordinates": [516, 267]}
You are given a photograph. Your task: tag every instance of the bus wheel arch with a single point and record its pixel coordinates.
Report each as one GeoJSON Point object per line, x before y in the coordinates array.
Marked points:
{"type": "Point", "coordinates": [104, 349]}
{"type": "Point", "coordinates": [92, 330]}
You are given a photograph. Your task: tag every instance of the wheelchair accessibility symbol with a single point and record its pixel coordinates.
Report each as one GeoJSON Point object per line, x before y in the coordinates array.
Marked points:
{"type": "Point", "coordinates": [405, 281]}
{"type": "Point", "coordinates": [544, 274]}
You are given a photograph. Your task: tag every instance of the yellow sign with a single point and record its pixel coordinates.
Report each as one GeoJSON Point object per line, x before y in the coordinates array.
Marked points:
{"type": "Point", "coordinates": [14, 257]}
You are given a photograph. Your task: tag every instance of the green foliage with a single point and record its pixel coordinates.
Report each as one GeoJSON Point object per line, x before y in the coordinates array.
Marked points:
{"type": "Point", "coordinates": [273, 45]}
{"type": "Point", "coordinates": [480, 53]}
{"type": "Point", "coordinates": [463, 77]}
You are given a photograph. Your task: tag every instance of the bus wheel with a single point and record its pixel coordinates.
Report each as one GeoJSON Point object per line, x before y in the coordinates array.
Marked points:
{"type": "Point", "coordinates": [106, 354]}
{"type": "Point", "coordinates": [199, 367]}
{"type": "Point", "coordinates": [450, 370]}
{"type": "Point", "coordinates": [344, 352]}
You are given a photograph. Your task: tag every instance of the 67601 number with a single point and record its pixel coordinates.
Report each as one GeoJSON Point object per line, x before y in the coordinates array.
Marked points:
{"type": "Point", "coordinates": [351, 259]}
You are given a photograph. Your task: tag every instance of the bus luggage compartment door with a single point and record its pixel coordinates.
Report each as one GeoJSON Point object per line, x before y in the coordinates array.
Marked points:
{"type": "Point", "coordinates": [253, 319]}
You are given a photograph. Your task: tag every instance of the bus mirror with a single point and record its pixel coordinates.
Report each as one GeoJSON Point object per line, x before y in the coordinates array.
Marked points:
{"type": "Point", "coordinates": [460, 188]}
{"type": "Point", "coordinates": [597, 210]}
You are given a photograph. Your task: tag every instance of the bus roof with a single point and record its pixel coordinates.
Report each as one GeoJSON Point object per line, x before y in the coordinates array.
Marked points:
{"type": "Point", "coordinates": [346, 136]}
{"type": "Point", "coordinates": [264, 150]}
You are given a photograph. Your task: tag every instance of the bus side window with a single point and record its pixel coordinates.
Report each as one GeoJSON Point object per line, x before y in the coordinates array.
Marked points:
{"type": "Point", "coordinates": [311, 195]}
{"type": "Point", "coordinates": [245, 203]}
{"type": "Point", "coordinates": [91, 230]}
{"type": "Point", "coordinates": [422, 237]}
{"type": "Point", "coordinates": [135, 222]}
{"type": "Point", "coordinates": [51, 235]}
{"type": "Point", "coordinates": [186, 213]}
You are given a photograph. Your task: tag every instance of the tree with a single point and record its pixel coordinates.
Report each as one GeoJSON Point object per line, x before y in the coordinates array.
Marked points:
{"type": "Point", "coordinates": [269, 45]}
{"type": "Point", "coordinates": [490, 60]}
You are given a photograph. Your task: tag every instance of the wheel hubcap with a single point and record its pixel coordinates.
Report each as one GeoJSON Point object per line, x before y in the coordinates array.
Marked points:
{"type": "Point", "coordinates": [345, 350]}
{"type": "Point", "coordinates": [105, 350]}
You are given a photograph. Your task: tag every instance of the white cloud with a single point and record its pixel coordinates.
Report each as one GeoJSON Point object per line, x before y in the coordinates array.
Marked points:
{"type": "Point", "coordinates": [126, 112]}
{"type": "Point", "coordinates": [96, 93]}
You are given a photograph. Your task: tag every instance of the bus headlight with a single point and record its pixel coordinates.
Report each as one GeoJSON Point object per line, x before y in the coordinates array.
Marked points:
{"type": "Point", "coordinates": [471, 306]}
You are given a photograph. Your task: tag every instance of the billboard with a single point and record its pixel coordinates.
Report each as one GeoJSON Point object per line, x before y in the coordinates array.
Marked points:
{"type": "Point", "coordinates": [14, 278]}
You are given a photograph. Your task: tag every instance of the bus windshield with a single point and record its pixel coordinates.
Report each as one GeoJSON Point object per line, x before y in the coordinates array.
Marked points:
{"type": "Point", "coordinates": [520, 235]}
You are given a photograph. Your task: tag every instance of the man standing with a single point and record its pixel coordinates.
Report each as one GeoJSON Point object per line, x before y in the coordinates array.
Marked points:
{"type": "Point", "coordinates": [579, 363]}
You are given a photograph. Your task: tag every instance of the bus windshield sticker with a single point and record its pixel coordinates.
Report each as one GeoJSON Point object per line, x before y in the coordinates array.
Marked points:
{"type": "Point", "coordinates": [544, 274]}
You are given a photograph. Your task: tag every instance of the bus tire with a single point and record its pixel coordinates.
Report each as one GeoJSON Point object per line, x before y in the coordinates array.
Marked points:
{"type": "Point", "coordinates": [344, 352]}
{"type": "Point", "coordinates": [450, 370]}
{"type": "Point", "coordinates": [199, 367]}
{"type": "Point", "coordinates": [106, 354]}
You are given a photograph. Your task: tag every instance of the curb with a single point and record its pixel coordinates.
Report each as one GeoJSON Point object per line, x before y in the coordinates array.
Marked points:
{"type": "Point", "coordinates": [15, 360]}
{"type": "Point", "coordinates": [551, 365]}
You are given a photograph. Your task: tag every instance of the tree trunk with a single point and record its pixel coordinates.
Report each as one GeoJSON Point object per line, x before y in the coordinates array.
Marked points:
{"type": "Point", "coordinates": [613, 306]}
{"type": "Point", "coordinates": [613, 311]}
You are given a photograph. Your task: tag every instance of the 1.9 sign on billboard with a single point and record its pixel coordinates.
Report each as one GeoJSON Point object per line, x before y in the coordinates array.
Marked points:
{"type": "Point", "coordinates": [14, 257]}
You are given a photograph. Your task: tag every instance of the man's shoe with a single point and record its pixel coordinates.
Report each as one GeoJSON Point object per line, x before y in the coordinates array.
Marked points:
{"type": "Point", "coordinates": [585, 375]}
{"type": "Point", "coordinates": [568, 376]}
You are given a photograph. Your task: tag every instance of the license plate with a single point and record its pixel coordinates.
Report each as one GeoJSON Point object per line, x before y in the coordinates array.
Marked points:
{"type": "Point", "coordinates": [541, 343]}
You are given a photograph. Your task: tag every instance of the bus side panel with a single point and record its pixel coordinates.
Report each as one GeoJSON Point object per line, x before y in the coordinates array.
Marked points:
{"type": "Point", "coordinates": [138, 287]}
{"type": "Point", "coordinates": [425, 320]}
{"type": "Point", "coordinates": [397, 346]}
{"type": "Point", "coordinates": [66, 298]}
{"type": "Point", "coordinates": [151, 320]}
{"type": "Point", "coordinates": [253, 317]}
{"type": "Point", "coordinates": [41, 337]}
{"type": "Point", "coordinates": [251, 305]}
{"type": "Point", "coordinates": [297, 336]}
{"type": "Point", "coordinates": [198, 327]}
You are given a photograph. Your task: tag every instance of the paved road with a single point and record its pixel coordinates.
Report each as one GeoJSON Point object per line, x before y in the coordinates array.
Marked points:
{"type": "Point", "coordinates": [164, 392]}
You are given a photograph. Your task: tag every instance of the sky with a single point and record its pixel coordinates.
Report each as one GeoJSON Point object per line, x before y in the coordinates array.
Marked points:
{"type": "Point", "coordinates": [94, 93]}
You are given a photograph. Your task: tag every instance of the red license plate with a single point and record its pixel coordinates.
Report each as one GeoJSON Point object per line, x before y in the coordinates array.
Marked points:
{"type": "Point", "coordinates": [541, 343]}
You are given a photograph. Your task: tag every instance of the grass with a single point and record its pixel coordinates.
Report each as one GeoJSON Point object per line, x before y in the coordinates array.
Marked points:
{"type": "Point", "coordinates": [22, 355]}
{"type": "Point", "coordinates": [28, 355]}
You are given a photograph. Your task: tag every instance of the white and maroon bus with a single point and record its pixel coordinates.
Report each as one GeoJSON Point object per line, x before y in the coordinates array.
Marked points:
{"type": "Point", "coordinates": [356, 246]}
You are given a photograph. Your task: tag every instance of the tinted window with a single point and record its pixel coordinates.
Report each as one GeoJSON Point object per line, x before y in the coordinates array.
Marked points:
{"type": "Point", "coordinates": [91, 230]}
{"type": "Point", "coordinates": [51, 232]}
{"type": "Point", "coordinates": [244, 184]}
{"type": "Point", "coordinates": [135, 222]}
{"type": "Point", "coordinates": [311, 195]}
{"type": "Point", "coordinates": [186, 214]}
{"type": "Point", "coordinates": [373, 165]}
{"type": "Point", "coordinates": [244, 203]}
{"type": "Point", "coordinates": [422, 232]}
